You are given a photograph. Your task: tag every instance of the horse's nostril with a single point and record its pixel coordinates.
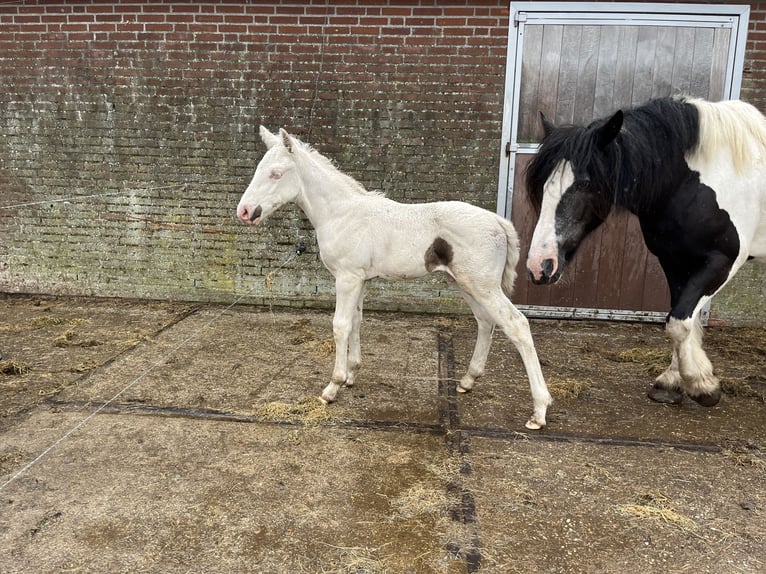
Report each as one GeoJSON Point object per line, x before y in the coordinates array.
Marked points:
{"type": "Point", "coordinates": [547, 267]}
{"type": "Point", "coordinates": [256, 213]}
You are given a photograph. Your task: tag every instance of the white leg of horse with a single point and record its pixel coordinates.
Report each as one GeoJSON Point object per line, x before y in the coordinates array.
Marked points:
{"type": "Point", "coordinates": [347, 292]}
{"type": "Point", "coordinates": [483, 342]}
{"type": "Point", "coordinates": [667, 386]}
{"type": "Point", "coordinates": [696, 370]}
{"type": "Point", "coordinates": [354, 342]}
{"type": "Point", "coordinates": [516, 327]}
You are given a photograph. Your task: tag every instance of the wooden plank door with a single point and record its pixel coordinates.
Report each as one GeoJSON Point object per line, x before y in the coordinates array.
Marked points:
{"type": "Point", "coordinates": [577, 68]}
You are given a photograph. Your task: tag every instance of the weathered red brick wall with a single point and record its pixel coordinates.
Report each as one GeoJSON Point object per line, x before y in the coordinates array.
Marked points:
{"type": "Point", "coordinates": [754, 76]}
{"type": "Point", "coordinates": [129, 131]}
{"type": "Point", "coordinates": [124, 101]}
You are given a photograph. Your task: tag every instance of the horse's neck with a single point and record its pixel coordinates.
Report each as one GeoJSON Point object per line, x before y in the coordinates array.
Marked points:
{"type": "Point", "coordinates": [327, 196]}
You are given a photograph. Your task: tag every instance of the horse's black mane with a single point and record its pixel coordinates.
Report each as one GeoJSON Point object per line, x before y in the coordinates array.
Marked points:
{"type": "Point", "coordinates": [637, 168]}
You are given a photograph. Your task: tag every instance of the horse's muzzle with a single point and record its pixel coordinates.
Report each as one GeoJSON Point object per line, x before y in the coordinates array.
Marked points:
{"type": "Point", "coordinates": [248, 214]}
{"type": "Point", "coordinates": [547, 275]}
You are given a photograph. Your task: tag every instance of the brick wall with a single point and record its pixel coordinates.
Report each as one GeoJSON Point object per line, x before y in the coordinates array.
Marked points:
{"type": "Point", "coordinates": [129, 131]}
{"type": "Point", "coordinates": [144, 116]}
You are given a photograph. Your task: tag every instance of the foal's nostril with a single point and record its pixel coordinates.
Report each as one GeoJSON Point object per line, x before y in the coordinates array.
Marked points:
{"type": "Point", "coordinates": [256, 213]}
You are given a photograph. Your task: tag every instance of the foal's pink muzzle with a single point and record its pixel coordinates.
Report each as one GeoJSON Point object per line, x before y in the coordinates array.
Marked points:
{"type": "Point", "coordinates": [249, 214]}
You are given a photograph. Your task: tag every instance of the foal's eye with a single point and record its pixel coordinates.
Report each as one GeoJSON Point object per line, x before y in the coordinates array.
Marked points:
{"type": "Point", "coordinates": [276, 173]}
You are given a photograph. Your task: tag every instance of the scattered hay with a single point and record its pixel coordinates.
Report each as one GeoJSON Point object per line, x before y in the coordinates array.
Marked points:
{"type": "Point", "coordinates": [65, 339]}
{"type": "Point", "coordinates": [11, 460]}
{"type": "Point", "coordinates": [325, 348]}
{"type": "Point", "coordinates": [303, 333]}
{"type": "Point", "coordinates": [741, 344]}
{"type": "Point", "coordinates": [741, 387]}
{"type": "Point", "coordinates": [84, 367]}
{"type": "Point", "coordinates": [47, 321]}
{"type": "Point", "coordinates": [655, 360]}
{"type": "Point", "coordinates": [568, 388]}
{"type": "Point", "coordinates": [68, 339]}
{"type": "Point", "coordinates": [419, 500]}
{"type": "Point", "coordinates": [658, 507]}
{"type": "Point", "coordinates": [307, 411]}
{"type": "Point", "coordinates": [445, 322]}
{"type": "Point", "coordinates": [744, 458]}
{"type": "Point", "coordinates": [11, 367]}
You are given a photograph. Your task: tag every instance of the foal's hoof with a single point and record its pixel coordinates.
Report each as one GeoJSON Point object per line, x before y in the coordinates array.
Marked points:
{"type": "Point", "coordinates": [707, 399]}
{"type": "Point", "coordinates": [660, 394]}
{"type": "Point", "coordinates": [325, 401]}
{"type": "Point", "coordinates": [533, 424]}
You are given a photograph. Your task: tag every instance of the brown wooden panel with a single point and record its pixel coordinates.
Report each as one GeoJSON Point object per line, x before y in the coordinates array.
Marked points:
{"type": "Point", "coordinates": [682, 64]}
{"type": "Point", "coordinates": [664, 56]}
{"type": "Point", "coordinates": [702, 62]}
{"type": "Point", "coordinates": [625, 70]}
{"type": "Point", "coordinates": [644, 73]}
{"type": "Point", "coordinates": [632, 279]}
{"type": "Point", "coordinates": [530, 81]}
{"type": "Point", "coordinates": [719, 63]}
{"type": "Point", "coordinates": [613, 248]}
{"type": "Point", "coordinates": [587, 69]}
{"type": "Point", "coordinates": [656, 292]}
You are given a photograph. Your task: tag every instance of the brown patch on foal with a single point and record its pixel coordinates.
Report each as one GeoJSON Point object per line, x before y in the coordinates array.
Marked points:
{"type": "Point", "coordinates": [440, 253]}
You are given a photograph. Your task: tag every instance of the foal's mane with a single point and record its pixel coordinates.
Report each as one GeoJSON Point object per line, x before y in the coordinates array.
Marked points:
{"type": "Point", "coordinates": [636, 169]}
{"type": "Point", "coordinates": [329, 167]}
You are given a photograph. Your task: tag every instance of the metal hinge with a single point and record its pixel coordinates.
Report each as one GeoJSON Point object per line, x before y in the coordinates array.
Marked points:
{"type": "Point", "coordinates": [520, 17]}
{"type": "Point", "coordinates": [511, 148]}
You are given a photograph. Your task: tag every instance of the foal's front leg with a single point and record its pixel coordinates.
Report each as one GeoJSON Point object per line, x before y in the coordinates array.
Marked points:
{"type": "Point", "coordinates": [348, 291]}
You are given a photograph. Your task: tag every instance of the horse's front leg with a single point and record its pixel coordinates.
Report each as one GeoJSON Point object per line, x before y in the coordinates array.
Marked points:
{"type": "Point", "coordinates": [355, 342]}
{"type": "Point", "coordinates": [696, 370]}
{"type": "Point", "coordinates": [667, 387]}
{"type": "Point", "coordinates": [690, 370]}
{"type": "Point", "coordinates": [348, 290]}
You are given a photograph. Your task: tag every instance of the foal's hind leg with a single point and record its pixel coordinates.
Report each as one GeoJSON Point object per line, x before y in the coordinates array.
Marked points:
{"type": "Point", "coordinates": [483, 342]}
{"type": "Point", "coordinates": [516, 327]}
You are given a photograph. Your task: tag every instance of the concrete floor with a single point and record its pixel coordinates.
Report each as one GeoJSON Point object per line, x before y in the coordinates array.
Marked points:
{"type": "Point", "coordinates": [192, 441]}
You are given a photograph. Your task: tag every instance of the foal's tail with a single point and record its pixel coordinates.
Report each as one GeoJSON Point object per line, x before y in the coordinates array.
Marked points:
{"type": "Point", "coordinates": [511, 256]}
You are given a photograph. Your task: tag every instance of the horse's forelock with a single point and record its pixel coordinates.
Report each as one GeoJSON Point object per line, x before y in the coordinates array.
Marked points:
{"type": "Point", "coordinates": [558, 145]}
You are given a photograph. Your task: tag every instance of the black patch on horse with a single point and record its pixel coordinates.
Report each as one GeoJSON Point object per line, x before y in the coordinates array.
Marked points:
{"type": "Point", "coordinates": [439, 253]}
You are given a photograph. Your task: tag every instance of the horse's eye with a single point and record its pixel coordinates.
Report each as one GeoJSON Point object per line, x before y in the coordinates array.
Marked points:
{"type": "Point", "coordinates": [581, 185]}
{"type": "Point", "coordinates": [276, 173]}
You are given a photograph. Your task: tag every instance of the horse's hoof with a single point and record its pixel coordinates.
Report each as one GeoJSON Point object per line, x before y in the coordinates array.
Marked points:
{"type": "Point", "coordinates": [532, 424]}
{"type": "Point", "coordinates": [462, 390]}
{"type": "Point", "coordinates": [665, 396]}
{"type": "Point", "coordinates": [707, 399]}
{"type": "Point", "coordinates": [325, 401]}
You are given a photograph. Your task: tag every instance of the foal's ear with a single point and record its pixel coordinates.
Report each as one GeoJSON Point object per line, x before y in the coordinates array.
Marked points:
{"type": "Point", "coordinates": [287, 141]}
{"type": "Point", "coordinates": [607, 132]}
{"type": "Point", "coordinates": [548, 127]}
{"type": "Point", "coordinates": [268, 138]}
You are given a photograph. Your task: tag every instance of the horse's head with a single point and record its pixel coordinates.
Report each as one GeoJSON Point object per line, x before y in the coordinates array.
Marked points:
{"type": "Point", "coordinates": [570, 188]}
{"type": "Point", "coordinates": [275, 182]}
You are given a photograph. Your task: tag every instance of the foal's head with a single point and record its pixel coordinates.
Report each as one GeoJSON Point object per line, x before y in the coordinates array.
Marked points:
{"type": "Point", "coordinates": [275, 182]}
{"type": "Point", "coordinates": [571, 189]}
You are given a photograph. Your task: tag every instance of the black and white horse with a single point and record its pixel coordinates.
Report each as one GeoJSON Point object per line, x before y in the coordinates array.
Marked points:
{"type": "Point", "coordinates": [694, 172]}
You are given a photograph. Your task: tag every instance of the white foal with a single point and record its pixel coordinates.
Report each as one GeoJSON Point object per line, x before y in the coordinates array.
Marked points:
{"type": "Point", "coordinates": [362, 235]}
